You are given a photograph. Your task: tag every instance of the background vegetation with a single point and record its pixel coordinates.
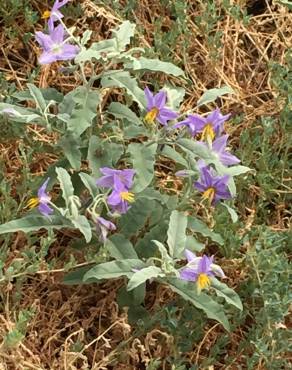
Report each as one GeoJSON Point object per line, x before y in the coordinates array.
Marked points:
{"type": "Point", "coordinates": [46, 325]}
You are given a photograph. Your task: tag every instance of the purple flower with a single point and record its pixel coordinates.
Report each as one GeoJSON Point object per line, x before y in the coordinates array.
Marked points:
{"type": "Point", "coordinates": [42, 200]}
{"type": "Point", "coordinates": [210, 126]}
{"type": "Point", "coordinates": [54, 14]}
{"type": "Point", "coordinates": [200, 269]}
{"type": "Point", "coordinates": [111, 177]}
{"type": "Point", "coordinates": [120, 197]}
{"type": "Point", "coordinates": [219, 148]}
{"type": "Point", "coordinates": [103, 226]}
{"type": "Point", "coordinates": [54, 46]}
{"type": "Point", "coordinates": [156, 109]}
{"type": "Point", "coordinates": [213, 187]}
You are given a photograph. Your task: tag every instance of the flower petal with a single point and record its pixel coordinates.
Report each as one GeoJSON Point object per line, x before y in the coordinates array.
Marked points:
{"type": "Point", "coordinates": [149, 98]}
{"type": "Point", "coordinates": [160, 99]}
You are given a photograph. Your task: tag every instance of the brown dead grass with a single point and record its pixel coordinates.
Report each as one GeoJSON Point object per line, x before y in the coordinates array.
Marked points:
{"type": "Point", "coordinates": [64, 315]}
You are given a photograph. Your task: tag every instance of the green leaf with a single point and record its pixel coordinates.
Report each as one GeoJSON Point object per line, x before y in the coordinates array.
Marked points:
{"type": "Point", "coordinates": [101, 155]}
{"type": "Point", "coordinates": [176, 234]}
{"type": "Point", "coordinates": [114, 269]}
{"type": "Point", "coordinates": [143, 275]}
{"type": "Point", "coordinates": [85, 110]}
{"type": "Point", "coordinates": [122, 111]}
{"type": "Point", "coordinates": [175, 96]}
{"type": "Point", "coordinates": [123, 35]}
{"type": "Point", "coordinates": [86, 37]}
{"type": "Point", "coordinates": [65, 184]}
{"type": "Point", "coordinates": [202, 301]}
{"type": "Point", "coordinates": [37, 97]}
{"type": "Point", "coordinates": [82, 224]}
{"type": "Point", "coordinates": [154, 65]}
{"type": "Point", "coordinates": [222, 290]}
{"type": "Point", "coordinates": [145, 247]}
{"type": "Point", "coordinates": [171, 153]}
{"type": "Point", "coordinates": [90, 183]}
{"type": "Point", "coordinates": [143, 159]}
{"type": "Point", "coordinates": [236, 170]}
{"type": "Point", "coordinates": [163, 251]}
{"type": "Point", "coordinates": [34, 223]}
{"type": "Point", "coordinates": [212, 94]}
{"type": "Point", "coordinates": [198, 226]}
{"type": "Point", "coordinates": [105, 49]}
{"type": "Point", "coordinates": [195, 148]}
{"type": "Point", "coordinates": [70, 146]}
{"type": "Point", "coordinates": [19, 114]}
{"type": "Point", "coordinates": [231, 211]}
{"type": "Point", "coordinates": [131, 298]}
{"type": "Point", "coordinates": [76, 276]}
{"type": "Point", "coordinates": [124, 80]}
{"type": "Point", "coordinates": [193, 244]}
{"type": "Point", "coordinates": [120, 248]}
{"type": "Point", "coordinates": [137, 216]}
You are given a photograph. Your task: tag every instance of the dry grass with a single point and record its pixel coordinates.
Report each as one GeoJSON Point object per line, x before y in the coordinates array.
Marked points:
{"type": "Point", "coordinates": [88, 314]}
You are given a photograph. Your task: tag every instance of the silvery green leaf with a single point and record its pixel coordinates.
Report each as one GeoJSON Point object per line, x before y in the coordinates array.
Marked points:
{"type": "Point", "coordinates": [123, 35]}
{"type": "Point", "coordinates": [163, 251]}
{"type": "Point", "coordinates": [65, 184]}
{"type": "Point", "coordinates": [86, 37]}
{"type": "Point", "coordinates": [122, 111]}
{"type": "Point", "coordinates": [83, 225]}
{"type": "Point", "coordinates": [143, 159]}
{"type": "Point", "coordinates": [37, 95]}
{"type": "Point", "coordinates": [102, 50]}
{"type": "Point", "coordinates": [231, 211]}
{"type": "Point", "coordinates": [176, 234]}
{"type": "Point", "coordinates": [198, 226]}
{"type": "Point", "coordinates": [237, 170]}
{"type": "Point", "coordinates": [114, 269]}
{"type": "Point", "coordinates": [19, 114]}
{"type": "Point", "coordinates": [85, 110]}
{"type": "Point", "coordinates": [211, 95]}
{"type": "Point", "coordinates": [143, 275]}
{"type": "Point", "coordinates": [120, 247]}
{"type": "Point", "coordinates": [124, 80]}
{"type": "Point", "coordinates": [100, 155]}
{"type": "Point", "coordinates": [70, 146]}
{"type": "Point", "coordinates": [137, 216]}
{"type": "Point", "coordinates": [202, 301]}
{"type": "Point", "coordinates": [196, 149]}
{"type": "Point", "coordinates": [76, 276]}
{"type": "Point", "coordinates": [222, 290]}
{"type": "Point", "coordinates": [89, 182]}
{"type": "Point", "coordinates": [193, 244]}
{"type": "Point", "coordinates": [175, 96]}
{"type": "Point", "coordinates": [155, 65]}
{"type": "Point", "coordinates": [34, 223]}
{"type": "Point", "coordinates": [171, 153]}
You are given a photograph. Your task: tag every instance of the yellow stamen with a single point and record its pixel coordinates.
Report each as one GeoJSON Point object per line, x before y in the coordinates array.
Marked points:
{"type": "Point", "coordinates": [203, 282]}
{"type": "Point", "coordinates": [33, 202]}
{"type": "Point", "coordinates": [209, 194]}
{"type": "Point", "coordinates": [46, 14]}
{"type": "Point", "coordinates": [126, 195]}
{"type": "Point", "coordinates": [151, 115]}
{"type": "Point", "coordinates": [208, 132]}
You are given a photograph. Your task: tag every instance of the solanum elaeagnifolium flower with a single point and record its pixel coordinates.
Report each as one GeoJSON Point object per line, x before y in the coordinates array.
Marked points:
{"type": "Point", "coordinates": [54, 46]}
{"type": "Point", "coordinates": [219, 148]}
{"type": "Point", "coordinates": [213, 187]}
{"type": "Point", "coordinates": [54, 14]}
{"type": "Point", "coordinates": [103, 227]}
{"type": "Point", "coordinates": [108, 180]}
{"type": "Point", "coordinates": [209, 127]}
{"type": "Point", "coordinates": [156, 108]}
{"type": "Point", "coordinates": [42, 200]}
{"type": "Point", "coordinates": [121, 182]}
{"type": "Point", "coordinates": [199, 270]}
